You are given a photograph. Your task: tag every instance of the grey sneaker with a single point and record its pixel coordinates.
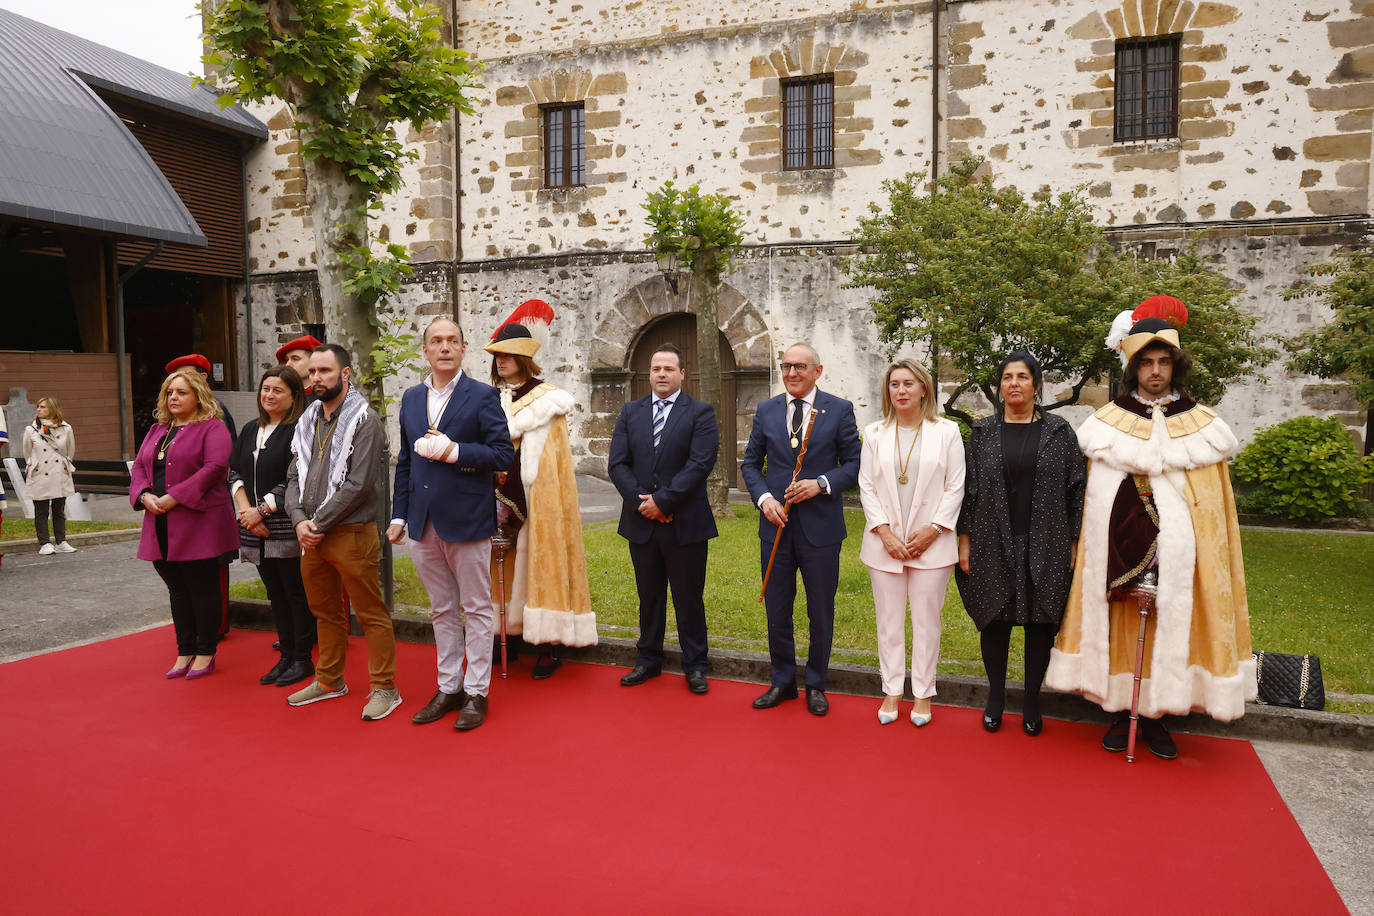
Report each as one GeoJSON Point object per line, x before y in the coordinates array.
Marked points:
{"type": "Point", "coordinates": [380, 704]}
{"type": "Point", "coordinates": [314, 693]}
{"type": "Point", "coordinates": [47, 550]}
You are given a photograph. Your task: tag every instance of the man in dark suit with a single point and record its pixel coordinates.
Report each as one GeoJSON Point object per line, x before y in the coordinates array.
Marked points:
{"type": "Point", "coordinates": [454, 436]}
{"type": "Point", "coordinates": [662, 450]}
{"type": "Point", "coordinates": [812, 532]}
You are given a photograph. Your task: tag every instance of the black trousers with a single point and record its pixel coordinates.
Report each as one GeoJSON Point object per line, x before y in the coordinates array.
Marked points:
{"type": "Point", "coordinates": [193, 586]}
{"type": "Point", "coordinates": [59, 519]}
{"type": "Point", "coordinates": [660, 564]}
{"type": "Point", "coordinates": [820, 574]}
{"type": "Point", "coordinates": [290, 608]}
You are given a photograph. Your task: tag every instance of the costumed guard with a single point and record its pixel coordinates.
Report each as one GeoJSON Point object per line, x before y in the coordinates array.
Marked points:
{"type": "Point", "coordinates": [1158, 498]}
{"type": "Point", "coordinates": [548, 600]}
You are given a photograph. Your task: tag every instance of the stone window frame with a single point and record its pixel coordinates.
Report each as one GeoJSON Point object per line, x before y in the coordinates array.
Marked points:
{"type": "Point", "coordinates": [809, 150]}
{"type": "Point", "coordinates": [1174, 43]}
{"type": "Point", "coordinates": [574, 139]}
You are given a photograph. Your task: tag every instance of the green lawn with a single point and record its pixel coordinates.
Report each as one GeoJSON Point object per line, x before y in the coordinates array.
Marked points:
{"type": "Point", "coordinates": [1309, 592]}
{"type": "Point", "coordinates": [21, 529]}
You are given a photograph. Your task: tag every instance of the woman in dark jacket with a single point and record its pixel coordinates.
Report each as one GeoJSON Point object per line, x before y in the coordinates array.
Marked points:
{"type": "Point", "coordinates": [257, 479]}
{"type": "Point", "coordinates": [1018, 530]}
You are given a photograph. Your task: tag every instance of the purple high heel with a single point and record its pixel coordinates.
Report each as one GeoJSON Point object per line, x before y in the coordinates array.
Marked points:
{"type": "Point", "coordinates": [178, 672]}
{"type": "Point", "coordinates": [208, 670]}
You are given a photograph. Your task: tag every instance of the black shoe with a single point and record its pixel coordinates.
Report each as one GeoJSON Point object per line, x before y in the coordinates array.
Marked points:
{"type": "Point", "coordinates": [545, 667]}
{"type": "Point", "coordinates": [1115, 739]}
{"type": "Point", "coordinates": [991, 723]}
{"type": "Point", "coordinates": [276, 672]}
{"type": "Point", "coordinates": [639, 675]}
{"type": "Point", "coordinates": [298, 672]}
{"type": "Point", "coordinates": [1157, 737]}
{"type": "Point", "coordinates": [696, 682]}
{"type": "Point", "coordinates": [276, 646]}
{"type": "Point", "coordinates": [816, 703]}
{"type": "Point", "coordinates": [1031, 726]}
{"type": "Point", "coordinates": [473, 714]}
{"type": "Point", "coordinates": [440, 704]}
{"type": "Point", "coordinates": [775, 695]}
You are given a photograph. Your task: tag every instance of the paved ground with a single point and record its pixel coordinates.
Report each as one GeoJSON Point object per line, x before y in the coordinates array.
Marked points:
{"type": "Point", "coordinates": [104, 591]}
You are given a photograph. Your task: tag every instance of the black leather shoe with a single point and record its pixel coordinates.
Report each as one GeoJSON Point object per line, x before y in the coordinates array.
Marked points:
{"type": "Point", "coordinates": [298, 672]}
{"type": "Point", "coordinates": [816, 703]}
{"type": "Point", "coordinates": [545, 667]}
{"type": "Point", "coordinates": [1031, 726]}
{"type": "Point", "coordinates": [473, 714]}
{"type": "Point", "coordinates": [1115, 739]}
{"type": "Point", "coordinates": [440, 704]}
{"type": "Point", "coordinates": [775, 695]}
{"type": "Point", "coordinates": [276, 672]}
{"type": "Point", "coordinates": [990, 722]}
{"type": "Point", "coordinates": [639, 675]}
{"type": "Point", "coordinates": [1157, 737]}
{"type": "Point", "coordinates": [696, 682]}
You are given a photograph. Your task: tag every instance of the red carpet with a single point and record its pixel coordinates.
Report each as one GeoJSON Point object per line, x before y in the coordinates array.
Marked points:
{"type": "Point", "coordinates": [128, 793]}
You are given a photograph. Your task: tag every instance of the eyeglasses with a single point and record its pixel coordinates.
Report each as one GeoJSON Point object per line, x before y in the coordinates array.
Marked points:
{"type": "Point", "coordinates": [794, 367]}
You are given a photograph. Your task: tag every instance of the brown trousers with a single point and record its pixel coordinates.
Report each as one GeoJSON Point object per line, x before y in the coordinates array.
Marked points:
{"type": "Point", "coordinates": [347, 559]}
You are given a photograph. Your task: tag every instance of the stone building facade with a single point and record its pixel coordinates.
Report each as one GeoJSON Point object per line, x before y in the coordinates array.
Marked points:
{"type": "Point", "coordinates": [1270, 154]}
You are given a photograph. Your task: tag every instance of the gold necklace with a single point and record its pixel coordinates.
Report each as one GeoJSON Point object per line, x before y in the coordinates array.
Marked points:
{"type": "Point", "coordinates": [166, 442]}
{"type": "Point", "coordinates": [802, 420]}
{"type": "Point", "coordinates": [903, 465]}
{"type": "Point", "coordinates": [322, 440]}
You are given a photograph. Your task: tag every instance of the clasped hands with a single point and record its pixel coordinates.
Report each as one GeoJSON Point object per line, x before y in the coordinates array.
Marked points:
{"type": "Point", "coordinates": [159, 505]}
{"type": "Point", "coordinates": [436, 447]}
{"type": "Point", "coordinates": [650, 510]}
{"type": "Point", "coordinates": [309, 535]}
{"type": "Point", "coordinates": [251, 519]}
{"type": "Point", "coordinates": [914, 546]}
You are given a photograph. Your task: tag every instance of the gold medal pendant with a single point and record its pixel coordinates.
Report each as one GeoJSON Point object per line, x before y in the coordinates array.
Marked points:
{"type": "Point", "coordinates": [902, 480]}
{"type": "Point", "coordinates": [161, 455]}
{"type": "Point", "coordinates": [794, 442]}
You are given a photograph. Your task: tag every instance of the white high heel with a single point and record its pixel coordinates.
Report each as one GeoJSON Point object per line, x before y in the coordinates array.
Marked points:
{"type": "Point", "coordinates": [919, 720]}
{"type": "Point", "coordinates": [887, 718]}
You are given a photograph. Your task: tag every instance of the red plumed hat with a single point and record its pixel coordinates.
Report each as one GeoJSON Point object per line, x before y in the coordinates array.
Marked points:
{"type": "Point", "coordinates": [534, 314]}
{"type": "Point", "coordinates": [1166, 307]}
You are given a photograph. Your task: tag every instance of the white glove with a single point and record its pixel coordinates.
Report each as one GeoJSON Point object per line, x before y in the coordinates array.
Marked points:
{"type": "Point", "coordinates": [437, 447]}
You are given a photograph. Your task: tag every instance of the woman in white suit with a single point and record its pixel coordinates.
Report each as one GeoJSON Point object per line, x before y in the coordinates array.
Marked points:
{"type": "Point", "coordinates": [911, 484]}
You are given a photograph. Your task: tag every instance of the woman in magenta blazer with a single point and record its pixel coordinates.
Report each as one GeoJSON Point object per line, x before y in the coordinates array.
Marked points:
{"type": "Point", "coordinates": [179, 479]}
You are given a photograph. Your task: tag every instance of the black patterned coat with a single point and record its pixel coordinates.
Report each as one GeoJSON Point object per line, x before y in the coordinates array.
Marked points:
{"type": "Point", "coordinates": [1056, 517]}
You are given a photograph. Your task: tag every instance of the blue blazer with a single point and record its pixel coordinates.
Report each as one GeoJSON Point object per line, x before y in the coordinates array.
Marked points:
{"type": "Point", "coordinates": [674, 474]}
{"type": "Point", "coordinates": [459, 498]}
{"type": "Point", "coordinates": [833, 451]}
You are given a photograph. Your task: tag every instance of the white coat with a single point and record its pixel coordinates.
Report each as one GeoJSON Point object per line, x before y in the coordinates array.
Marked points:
{"type": "Point", "coordinates": [939, 468]}
{"type": "Point", "coordinates": [47, 462]}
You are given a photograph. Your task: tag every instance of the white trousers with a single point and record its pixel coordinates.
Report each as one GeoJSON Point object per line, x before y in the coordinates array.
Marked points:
{"type": "Point", "coordinates": [458, 579]}
{"type": "Point", "coordinates": [924, 590]}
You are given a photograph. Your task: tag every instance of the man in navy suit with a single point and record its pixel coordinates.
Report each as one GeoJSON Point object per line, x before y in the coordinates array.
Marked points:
{"type": "Point", "coordinates": [453, 438]}
{"type": "Point", "coordinates": [662, 450]}
{"type": "Point", "coordinates": [811, 533]}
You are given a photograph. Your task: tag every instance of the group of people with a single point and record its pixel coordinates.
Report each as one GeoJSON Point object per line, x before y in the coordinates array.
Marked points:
{"type": "Point", "coordinates": [1043, 529]}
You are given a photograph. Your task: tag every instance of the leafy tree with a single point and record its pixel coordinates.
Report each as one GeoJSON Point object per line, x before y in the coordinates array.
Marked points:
{"type": "Point", "coordinates": [972, 271]}
{"type": "Point", "coordinates": [703, 233]}
{"type": "Point", "coordinates": [1343, 348]}
{"type": "Point", "coordinates": [349, 70]}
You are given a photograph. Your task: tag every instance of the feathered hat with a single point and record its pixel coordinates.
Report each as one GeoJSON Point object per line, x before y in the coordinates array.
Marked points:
{"type": "Point", "coordinates": [525, 332]}
{"type": "Point", "coordinates": [1157, 318]}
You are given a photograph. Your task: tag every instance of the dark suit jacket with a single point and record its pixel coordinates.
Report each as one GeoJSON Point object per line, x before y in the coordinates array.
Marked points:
{"type": "Point", "coordinates": [833, 451]}
{"type": "Point", "coordinates": [459, 498]}
{"type": "Point", "coordinates": [674, 473]}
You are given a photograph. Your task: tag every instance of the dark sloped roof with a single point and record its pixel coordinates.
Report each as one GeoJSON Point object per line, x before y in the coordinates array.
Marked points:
{"type": "Point", "coordinates": [66, 158]}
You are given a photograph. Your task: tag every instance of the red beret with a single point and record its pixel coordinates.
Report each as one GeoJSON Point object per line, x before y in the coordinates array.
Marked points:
{"type": "Point", "coordinates": [300, 343]}
{"type": "Point", "coordinates": [193, 360]}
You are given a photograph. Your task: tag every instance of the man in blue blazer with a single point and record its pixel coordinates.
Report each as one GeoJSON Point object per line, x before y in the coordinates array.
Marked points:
{"type": "Point", "coordinates": [454, 437]}
{"type": "Point", "coordinates": [812, 532]}
{"type": "Point", "coordinates": [662, 450]}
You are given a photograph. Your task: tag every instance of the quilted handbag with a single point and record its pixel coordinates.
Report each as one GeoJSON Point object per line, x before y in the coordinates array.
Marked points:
{"type": "Point", "coordinates": [1290, 680]}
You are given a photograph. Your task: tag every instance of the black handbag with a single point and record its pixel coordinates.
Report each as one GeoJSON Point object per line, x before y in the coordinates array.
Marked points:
{"type": "Point", "coordinates": [1290, 680]}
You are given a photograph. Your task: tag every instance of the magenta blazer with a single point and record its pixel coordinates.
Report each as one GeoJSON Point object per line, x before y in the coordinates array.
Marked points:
{"type": "Point", "coordinates": [203, 525]}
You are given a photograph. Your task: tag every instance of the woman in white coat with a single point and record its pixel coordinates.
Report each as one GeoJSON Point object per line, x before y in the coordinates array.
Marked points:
{"type": "Point", "coordinates": [49, 445]}
{"type": "Point", "coordinates": [911, 484]}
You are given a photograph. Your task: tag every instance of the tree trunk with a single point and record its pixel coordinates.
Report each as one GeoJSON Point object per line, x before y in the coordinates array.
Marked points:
{"type": "Point", "coordinates": [706, 280]}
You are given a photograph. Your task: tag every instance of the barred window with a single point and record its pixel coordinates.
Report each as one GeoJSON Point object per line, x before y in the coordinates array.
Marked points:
{"type": "Point", "coordinates": [1146, 88]}
{"type": "Point", "coordinates": [565, 149]}
{"type": "Point", "coordinates": [808, 122]}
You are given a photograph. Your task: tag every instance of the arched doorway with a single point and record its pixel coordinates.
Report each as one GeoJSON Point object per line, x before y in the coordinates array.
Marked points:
{"type": "Point", "coordinates": [680, 330]}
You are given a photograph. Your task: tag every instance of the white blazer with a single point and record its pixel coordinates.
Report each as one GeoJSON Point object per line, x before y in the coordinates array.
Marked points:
{"type": "Point", "coordinates": [939, 469]}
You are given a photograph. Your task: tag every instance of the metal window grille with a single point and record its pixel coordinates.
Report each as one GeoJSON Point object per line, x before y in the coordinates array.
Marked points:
{"type": "Point", "coordinates": [1146, 88]}
{"type": "Point", "coordinates": [565, 149]}
{"type": "Point", "coordinates": [808, 123]}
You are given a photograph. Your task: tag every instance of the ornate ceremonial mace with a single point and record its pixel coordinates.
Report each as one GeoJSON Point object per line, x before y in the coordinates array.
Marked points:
{"type": "Point", "coordinates": [796, 471]}
{"type": "Point", "coordinates": [1144, 593]}
{"type": "Point", "coordinates": [501, 542]}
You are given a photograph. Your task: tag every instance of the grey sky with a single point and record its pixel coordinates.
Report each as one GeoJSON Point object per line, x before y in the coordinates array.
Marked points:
{"type": "Point", "coordinates": [166, 32]}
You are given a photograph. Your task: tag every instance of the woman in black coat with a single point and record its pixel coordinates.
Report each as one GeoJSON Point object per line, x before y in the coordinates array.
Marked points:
{"type": "Point", "coordinates": [257, 480]}
{"type": "Point", "coordinates": [1018, 531]}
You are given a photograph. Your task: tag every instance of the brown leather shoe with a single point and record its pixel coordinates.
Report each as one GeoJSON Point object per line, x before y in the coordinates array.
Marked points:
{"type": "Point", "coordinates": [440, 704]}
{"type": "Point", "coordinates": [474, 711]}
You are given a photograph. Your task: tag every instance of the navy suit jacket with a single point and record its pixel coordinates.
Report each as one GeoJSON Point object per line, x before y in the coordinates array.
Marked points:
{"type": "Point", "coordinates": [459, 498]}
{"type": "Point", "coordinates": [833, 451]}
{"type": "Point", "coordinates": [674, 474]}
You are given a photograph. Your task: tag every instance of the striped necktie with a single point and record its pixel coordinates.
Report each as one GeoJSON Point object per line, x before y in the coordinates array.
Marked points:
{"type": "Point", "coordinates": [660, 417]}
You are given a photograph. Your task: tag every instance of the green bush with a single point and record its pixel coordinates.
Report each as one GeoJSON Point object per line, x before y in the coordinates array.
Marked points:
{"type": "Point", "coordinates": [1303, 468]}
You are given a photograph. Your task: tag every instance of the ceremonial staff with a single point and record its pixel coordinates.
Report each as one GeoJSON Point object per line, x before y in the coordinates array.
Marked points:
{"type": "Point", "coordinates": [501, 542]}
{"type": "Point", "coordinates": [1144, 594]}
{"type": "Point", "coordinates": [777, 538]}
